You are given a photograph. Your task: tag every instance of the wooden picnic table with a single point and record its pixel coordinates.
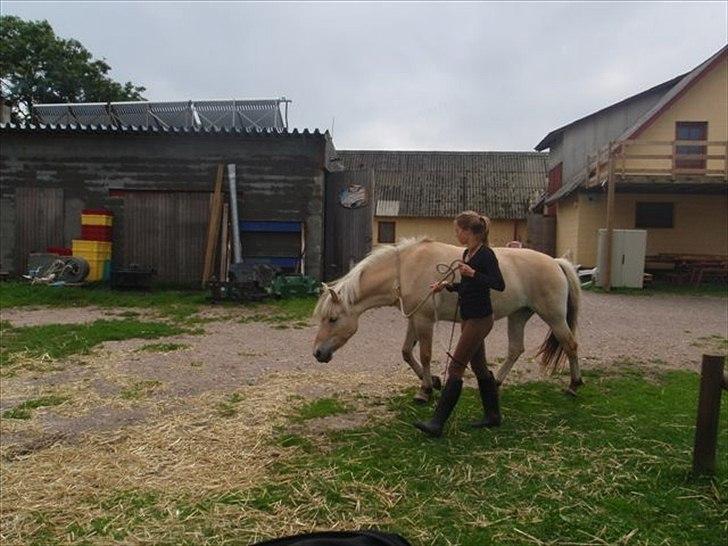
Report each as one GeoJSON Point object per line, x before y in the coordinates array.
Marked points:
{"type": "Point", "coordinates": [693, 268]}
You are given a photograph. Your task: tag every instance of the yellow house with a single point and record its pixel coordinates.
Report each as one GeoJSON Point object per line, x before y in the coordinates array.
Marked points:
{"type": "Point", "coordinates": [665, 150]}
{"type": "Point", "coordinates": [420, 193]}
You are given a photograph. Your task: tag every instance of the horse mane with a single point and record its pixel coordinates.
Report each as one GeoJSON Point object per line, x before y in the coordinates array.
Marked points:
{"type": "Point", "coordinates": [348, 286]}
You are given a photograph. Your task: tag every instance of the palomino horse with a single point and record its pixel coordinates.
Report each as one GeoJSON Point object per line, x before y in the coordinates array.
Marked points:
{"type": "Point", "coordinates": [401, 275]}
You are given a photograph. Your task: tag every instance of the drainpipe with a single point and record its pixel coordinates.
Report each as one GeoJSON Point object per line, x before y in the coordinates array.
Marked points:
{"type": "Point", "coordinates": [234, 213]}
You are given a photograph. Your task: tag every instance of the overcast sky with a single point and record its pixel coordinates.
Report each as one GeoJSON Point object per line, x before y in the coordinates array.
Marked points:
{"type": "Point", "coordinates": [419, 76]}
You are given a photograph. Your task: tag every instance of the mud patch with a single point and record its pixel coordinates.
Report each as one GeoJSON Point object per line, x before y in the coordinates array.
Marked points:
{"type": "Point", "coordinates": [335, 423]}
{"type": "Point", "coordinates": [19, 448]}
{"type": "Point", "coordinates": [101, 418]}
{"type": "Point", "coordinates": [24, 316]}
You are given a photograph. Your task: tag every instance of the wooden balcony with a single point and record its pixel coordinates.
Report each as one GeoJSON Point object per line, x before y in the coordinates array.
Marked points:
{"type": "Point", "coordinates": [665, 159]}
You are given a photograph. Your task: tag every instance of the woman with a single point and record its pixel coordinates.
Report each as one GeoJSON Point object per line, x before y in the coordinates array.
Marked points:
{"type": "Point", "coordinates": [480, 272]}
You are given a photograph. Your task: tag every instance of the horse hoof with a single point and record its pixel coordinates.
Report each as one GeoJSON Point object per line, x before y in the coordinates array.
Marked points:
{"type": "Point", "coordinates": [570, 391]}
{"type": "Point", "coordinates": [436, 382]}
{"type": "Point", "coordinates": [421, 399]}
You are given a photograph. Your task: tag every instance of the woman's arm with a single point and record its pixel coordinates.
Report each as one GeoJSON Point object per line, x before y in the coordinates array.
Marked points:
{"type": "Point", "coordinates": [487, 271]}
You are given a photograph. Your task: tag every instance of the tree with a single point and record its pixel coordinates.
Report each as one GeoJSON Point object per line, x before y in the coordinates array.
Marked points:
{"type": "Point", "coordinates": [36, 67]}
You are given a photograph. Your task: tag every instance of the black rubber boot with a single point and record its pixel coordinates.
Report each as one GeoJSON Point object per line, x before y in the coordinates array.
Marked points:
{"type": "Point", "coordinates": [489, 397]}
{"type": "Point", "coordinates": [449, 397]}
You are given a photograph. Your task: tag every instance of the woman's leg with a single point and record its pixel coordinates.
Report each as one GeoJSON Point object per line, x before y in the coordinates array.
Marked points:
{"type": "Point", "coordinates": [470, 346]}
{"type": "Point", "coordinates": [473, 333]}
{"type": "Point", "coordinates": [487, 387]}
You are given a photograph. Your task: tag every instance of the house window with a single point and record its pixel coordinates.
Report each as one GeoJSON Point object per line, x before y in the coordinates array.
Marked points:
{"type": "Point", "coordinates": [654, 215]}
{"type": "Point", "coordinates": [690, 130]}
{"type": "Point", "coordinates": [385, 232]}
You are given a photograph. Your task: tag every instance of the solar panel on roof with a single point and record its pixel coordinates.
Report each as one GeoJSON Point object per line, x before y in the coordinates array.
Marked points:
{"type": "Point", "coordinates": [221, 114]}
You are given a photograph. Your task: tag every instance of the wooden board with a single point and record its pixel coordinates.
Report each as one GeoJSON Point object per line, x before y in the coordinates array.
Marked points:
{"type": "Point", "coordinates": [213, 229]}
{"type": "Point", "coordinates": [222, 274]}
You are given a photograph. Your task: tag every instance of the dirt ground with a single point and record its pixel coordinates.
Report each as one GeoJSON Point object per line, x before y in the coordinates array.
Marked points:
{"type": "Point", "coordinates": [169, 422]}
{"type": "Point", "coordinates": [663, 332]}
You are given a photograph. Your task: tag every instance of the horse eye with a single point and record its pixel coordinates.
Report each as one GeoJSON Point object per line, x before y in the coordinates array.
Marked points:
{"type": "Point", "coordinates": [333, 319]}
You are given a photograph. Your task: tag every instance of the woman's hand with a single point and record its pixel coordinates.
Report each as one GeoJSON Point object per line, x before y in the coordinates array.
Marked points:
{"type": "Point", "coordinates": [438, 286]}
{"type": "Point", "coordinates": [466, 270]}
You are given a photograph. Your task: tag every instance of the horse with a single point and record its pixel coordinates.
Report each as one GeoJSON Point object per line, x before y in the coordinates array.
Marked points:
{"type": "Point", "coordinates": [401, 275]}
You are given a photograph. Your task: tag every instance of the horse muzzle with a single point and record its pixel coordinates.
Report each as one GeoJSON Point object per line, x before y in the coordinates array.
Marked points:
{"type": "Point", "coordinates": [323, 355]}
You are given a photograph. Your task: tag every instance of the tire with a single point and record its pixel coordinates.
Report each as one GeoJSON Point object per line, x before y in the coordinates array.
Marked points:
{"type": "Point", "coordinates": [76, 270]}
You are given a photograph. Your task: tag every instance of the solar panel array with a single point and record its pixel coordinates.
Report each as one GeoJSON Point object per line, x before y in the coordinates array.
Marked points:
{"type": "Point", "coordinates": [209, 114]}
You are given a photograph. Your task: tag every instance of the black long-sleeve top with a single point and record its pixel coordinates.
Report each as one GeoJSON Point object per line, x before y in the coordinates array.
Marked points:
{"type": "Point", "coordinates": [474, 292]}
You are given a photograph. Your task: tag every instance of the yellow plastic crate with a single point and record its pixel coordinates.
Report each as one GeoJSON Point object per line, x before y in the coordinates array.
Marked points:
{"type": "Point", "coordinates": [94, 249]}
{"type": "Point", "coordinates": [96, 220]}
{"type": "Point", "coordinates": [97, 269]}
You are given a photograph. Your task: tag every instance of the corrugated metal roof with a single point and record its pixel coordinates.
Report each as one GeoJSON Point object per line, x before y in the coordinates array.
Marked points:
{"type": "Point", "coordinates": [238, 114]}
{"type": "Point", "coordinates": [664, 87]}
{"type": "Point", "coordinates": [673, 94]}
{"type": "Point", "coordinates": [683, 83]}
{"type": "Point", "coordinates": [12, 127]}
{"type": "Point", "coordinates": [442, 184]}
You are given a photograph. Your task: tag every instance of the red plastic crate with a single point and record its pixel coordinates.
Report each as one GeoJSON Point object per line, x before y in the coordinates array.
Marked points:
{"type": "Point", "coordinates": [61, 251]}
{"type": "Point", "coordinates": [96, 233]}
{"type": "Point", "coordinates": [102, 212]}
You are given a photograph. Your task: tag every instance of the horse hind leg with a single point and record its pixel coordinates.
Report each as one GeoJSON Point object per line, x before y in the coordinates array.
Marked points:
{"type": "Point", "coordinates": [568, 343]}
{"type": "Point", "coordinates": [516, 325]}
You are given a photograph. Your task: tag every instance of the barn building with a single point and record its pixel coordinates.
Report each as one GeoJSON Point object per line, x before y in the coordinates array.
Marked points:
{"type": "Point", "coordinates": [153, 165]}
{"type": "Point", "coordinates": [666, 151]}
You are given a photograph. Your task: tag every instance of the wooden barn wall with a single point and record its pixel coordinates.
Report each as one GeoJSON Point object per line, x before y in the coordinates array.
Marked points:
{"type": "Point", "coordinates": [279, 178]}
{"type": "Point", "coordinates": [167, 229]}
{"type": "Point", "coordinates": [39, 213]}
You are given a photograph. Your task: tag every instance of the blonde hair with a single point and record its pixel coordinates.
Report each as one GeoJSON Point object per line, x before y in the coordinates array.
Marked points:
{"type": "Point", "coordinates": [477, 224]}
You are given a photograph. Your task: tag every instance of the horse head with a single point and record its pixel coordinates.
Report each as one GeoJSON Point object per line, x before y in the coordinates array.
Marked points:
{"type": "Point", "coordinates": [337, 324]}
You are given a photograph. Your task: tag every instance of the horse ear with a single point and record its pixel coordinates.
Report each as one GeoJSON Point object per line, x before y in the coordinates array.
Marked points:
{"type": "Point", "coordinates": [334, 295]}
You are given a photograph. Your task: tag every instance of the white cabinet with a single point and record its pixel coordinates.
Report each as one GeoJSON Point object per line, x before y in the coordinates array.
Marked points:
{"type": "Point", "coordinates": [628, 257]}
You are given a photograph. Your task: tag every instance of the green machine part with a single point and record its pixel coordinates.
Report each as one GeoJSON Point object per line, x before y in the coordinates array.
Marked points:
{"type": "Point", "coordinates": [289, 286]}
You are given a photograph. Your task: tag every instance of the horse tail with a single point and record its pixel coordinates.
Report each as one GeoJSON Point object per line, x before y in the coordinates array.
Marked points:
{"type": "Point", "coordinates": [551, 350]}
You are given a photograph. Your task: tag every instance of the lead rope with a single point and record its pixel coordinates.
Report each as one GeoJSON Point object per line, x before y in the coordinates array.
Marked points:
{"type": "Point", "coordinates": [447, 271]}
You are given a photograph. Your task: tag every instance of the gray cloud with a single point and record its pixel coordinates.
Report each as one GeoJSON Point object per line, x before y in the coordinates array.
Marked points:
{"type": "Point", "coordinates": [447, 76]}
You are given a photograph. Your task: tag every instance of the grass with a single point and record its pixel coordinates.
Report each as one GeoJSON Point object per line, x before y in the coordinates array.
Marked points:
{"type": "Point", "coordinates": [162, 347]}
{"type": "Point", "coordinates": [140, 389]}
{"type": "Point", "coordinates": [57, 341]}
{"type": "Point", "coordinates": [609, 467]}
{"type": "Point", "coordinates": [323, 407]}
{"type": "Point", "coordinates": [24, 410]}
{"type": "Point", "coordinates": [283, 314]}
{"type": "Point", "coordinates": [175, 305]}
{"type": "Point", "coordinates": [714, 343]}
{"type": "Point", "coordinates": [227, 408]}
{"type": "Point", "coordinates": [16, 294]}
{"type": "Point", "coordinates": [658, 288]}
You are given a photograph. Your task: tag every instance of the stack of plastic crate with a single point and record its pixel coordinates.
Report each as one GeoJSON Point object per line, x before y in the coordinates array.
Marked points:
{"type": "Point", "coordinates": [95, 243]}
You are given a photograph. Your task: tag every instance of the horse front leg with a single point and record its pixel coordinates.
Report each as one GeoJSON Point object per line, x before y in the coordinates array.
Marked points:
{"type": "Point", "coordinates": [408, 355]}
{"type": "Point", "coordinates": [424, 330]}
{"type": "Point", "coordinates": [516, 326]}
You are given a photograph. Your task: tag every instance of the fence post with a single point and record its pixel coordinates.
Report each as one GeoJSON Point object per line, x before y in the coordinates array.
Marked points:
{"type": "Point", "coordinates": [706, 428]}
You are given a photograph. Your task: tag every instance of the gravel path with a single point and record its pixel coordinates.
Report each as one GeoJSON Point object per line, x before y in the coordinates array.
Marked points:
{"type": "Point", "coordinates": [664, 332]}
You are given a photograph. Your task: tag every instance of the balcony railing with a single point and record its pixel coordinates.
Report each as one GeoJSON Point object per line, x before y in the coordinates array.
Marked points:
{"type": "Point", "coordinates": [673, 159]}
